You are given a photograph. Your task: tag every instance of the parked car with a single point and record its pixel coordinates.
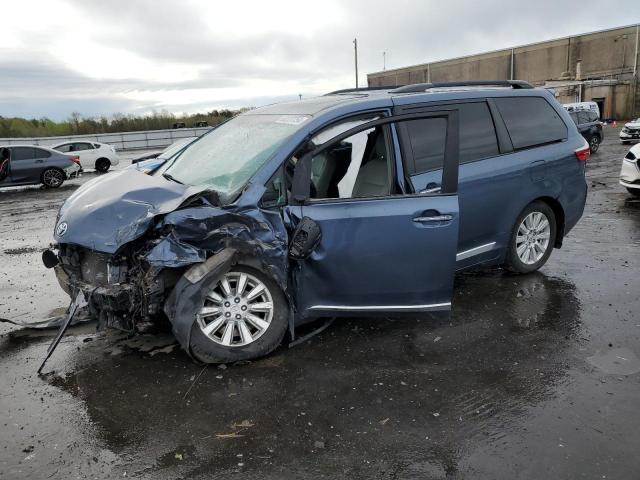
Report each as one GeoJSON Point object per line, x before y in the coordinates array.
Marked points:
{"type": "Point", "coordinates": [92, 154]}
{"type": "Point", "coordinates": [167, 152]}
{"type": "Point", "coordinates": [630, 171]}
{"type": "Point", "coordinates": [356, 203]}
{"type": "Point", "coordinates": [589, 127]}
{"type": "Point", "coordinates": [630, 131]}
{"type": "Point", "coordinates": [30, 165]}
{"type": "Point", "coordinates": [583, 106]}
{"type": "Point", "coordinates": [179, 125]}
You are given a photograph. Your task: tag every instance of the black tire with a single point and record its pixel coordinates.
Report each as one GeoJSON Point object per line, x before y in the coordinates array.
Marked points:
{"type": "Point", "coordinates": [208, 351]}
{"type": "Point", "coordinates": [102, 165]}
{"type": "Point", "coordinates": [52, 177]}
{"type": "Point", "coordinates": [594, 143]}
{"type": "Point", "coordinates": [513, 261]}
{"type": "Point", "coordinates": [634, 191]}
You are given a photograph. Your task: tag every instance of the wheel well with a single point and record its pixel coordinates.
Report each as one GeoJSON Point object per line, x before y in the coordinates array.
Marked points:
{"type": "Point", "coordinates": [558, 211]}
{"type": "Point", "coordinates": [103, 158]}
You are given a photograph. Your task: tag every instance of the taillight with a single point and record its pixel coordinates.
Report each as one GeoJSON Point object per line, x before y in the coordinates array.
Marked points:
{"type": "Point", "coordinates": [75, 159]}
{"type": "Point", "coordinates": [583, 153]}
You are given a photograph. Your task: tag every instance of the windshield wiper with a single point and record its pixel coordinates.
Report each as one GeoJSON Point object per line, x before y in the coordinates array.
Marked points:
{"type": "Point", "coordinates": [169, 177]}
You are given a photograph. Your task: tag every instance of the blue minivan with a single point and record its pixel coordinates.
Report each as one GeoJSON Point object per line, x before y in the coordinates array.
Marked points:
{"type": "Point", "coordinates": [353, 203]}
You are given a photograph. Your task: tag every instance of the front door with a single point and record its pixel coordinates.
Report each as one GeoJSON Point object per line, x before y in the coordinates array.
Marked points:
{"type": "Point", "coordinates": [24, 166]}
{"type": "Point", "coordinates": [381, 248]}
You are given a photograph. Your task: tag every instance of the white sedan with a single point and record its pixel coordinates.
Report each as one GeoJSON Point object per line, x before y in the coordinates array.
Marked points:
{"type": "Point", "coordinates": [92, 154]}
{"type": "Point", "coordinates": [630, 171]}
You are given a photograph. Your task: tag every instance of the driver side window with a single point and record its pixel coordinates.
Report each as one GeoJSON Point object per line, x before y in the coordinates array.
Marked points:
{"type": "Point", "coordinates": [359, 166]}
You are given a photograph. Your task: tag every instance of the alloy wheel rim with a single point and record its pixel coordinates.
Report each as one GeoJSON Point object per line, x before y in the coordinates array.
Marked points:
{"type": "Point", "coordinates": [594, 144]}
{"type": "Point", "coordinates": [236, 311]}
{"type": "Point", "coordinates": [52, 178]}
{"type": "Point", "coordinates": [532, 239]}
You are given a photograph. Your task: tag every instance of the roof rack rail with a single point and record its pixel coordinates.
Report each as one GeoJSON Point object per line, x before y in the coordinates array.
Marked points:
{"type": "Point", "coordinates": [422, 87]}
{"type": "Point", "coordinates": [361, 89]}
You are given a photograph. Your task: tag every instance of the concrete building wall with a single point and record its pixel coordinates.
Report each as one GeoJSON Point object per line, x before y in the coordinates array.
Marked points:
{"type": "Point", "coordinates": [608, 55]}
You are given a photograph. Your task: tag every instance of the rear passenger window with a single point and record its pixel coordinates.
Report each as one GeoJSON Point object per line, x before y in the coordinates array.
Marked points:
{"type": "Point", "coordinates": [427, 139]}
{"type": "Point", "coordinates": [477, 133]}
{"type": "Point", "coordinates": [40, 153]}
{"type": "Point", "coordinates": [531, 121]}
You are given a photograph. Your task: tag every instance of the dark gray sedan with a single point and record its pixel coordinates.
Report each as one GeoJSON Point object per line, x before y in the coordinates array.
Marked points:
{"type": "Point", "coordinates": [30, 164]}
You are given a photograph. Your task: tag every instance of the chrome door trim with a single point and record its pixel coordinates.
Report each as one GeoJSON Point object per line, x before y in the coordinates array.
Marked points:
{"type": "Point", "coordinates": [436, 218]}
{"type": "Point", "coordinates": [475, 251]}
{"type": "Point", "coordinates": [382, 308]}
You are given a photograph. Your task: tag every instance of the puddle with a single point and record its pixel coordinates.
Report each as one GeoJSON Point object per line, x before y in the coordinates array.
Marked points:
{"type": "Point", "coordinates": [617, 361]}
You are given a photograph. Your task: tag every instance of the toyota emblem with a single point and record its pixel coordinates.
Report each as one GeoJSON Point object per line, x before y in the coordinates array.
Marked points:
{"type": "Point", "coordinates": [62, 229]}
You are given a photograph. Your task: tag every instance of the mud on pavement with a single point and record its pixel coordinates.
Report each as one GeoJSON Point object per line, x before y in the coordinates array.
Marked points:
{"type": "Point", "coordinates": [531, 377]}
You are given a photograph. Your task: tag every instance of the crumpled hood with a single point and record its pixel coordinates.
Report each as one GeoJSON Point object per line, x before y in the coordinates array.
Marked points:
{"type": "Point", "coordinates": [114, 209]}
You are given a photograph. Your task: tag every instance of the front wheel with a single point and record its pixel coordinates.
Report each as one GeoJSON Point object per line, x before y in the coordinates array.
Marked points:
{"type": "Point", "coordinates": [532, 238]}
{"type": "Point", "coordinates": [594, 143]}
{"type": "Point", "coordinates": [634, 191]}
{"type": "Point", "coordinates": [243, 316]}
{"type": "Point", "coordinates": [52, 177]}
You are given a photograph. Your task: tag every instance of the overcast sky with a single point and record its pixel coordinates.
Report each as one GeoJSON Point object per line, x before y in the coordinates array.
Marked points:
{"type": "Point", "coordinates": [132, 56]}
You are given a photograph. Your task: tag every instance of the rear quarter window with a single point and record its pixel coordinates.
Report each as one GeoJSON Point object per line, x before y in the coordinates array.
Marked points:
{"type": "Point", "coordinates": [531, 121]}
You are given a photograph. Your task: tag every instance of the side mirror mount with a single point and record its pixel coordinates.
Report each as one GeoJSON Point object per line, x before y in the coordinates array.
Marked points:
{"type": "Point", "coordinates": [304, 239]}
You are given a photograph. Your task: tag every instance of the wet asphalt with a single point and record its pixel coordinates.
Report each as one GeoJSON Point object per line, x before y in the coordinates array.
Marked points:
{"type": "Point", "coordinates": [531, 377]}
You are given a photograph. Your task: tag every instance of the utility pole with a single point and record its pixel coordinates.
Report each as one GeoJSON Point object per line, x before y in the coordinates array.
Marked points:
{"type": "Point", "coordinates": [384, 61]}
{"type": "Point", "coordinates": [355, 47]}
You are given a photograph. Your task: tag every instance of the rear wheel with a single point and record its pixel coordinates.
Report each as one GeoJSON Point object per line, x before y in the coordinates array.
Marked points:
{"type": "Point", "coordinates": [594, 143]}
{"type": "Point", "coordinates": [532, 239]}
{"type": "Point", "coordinates": [634, 191]}
{"type": "Point", "coordinates": [243, 316]}
{"type": "Point", "coordinates": [102, 165]}
{"type": "Point", "coordinates": [53, 177]}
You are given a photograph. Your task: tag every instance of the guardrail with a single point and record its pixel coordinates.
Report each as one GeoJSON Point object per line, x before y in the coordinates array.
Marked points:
{"type": "Point", "coordinates": [149, 139]}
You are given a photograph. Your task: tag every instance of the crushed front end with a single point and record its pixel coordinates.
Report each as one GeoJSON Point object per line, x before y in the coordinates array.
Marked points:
{"type": "Point", "coordinates": [122, 290]}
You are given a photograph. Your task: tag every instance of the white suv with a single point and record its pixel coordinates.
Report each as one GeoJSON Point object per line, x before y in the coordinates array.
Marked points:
{"type": "Point", "coordinates": [630, 171]}
{"type": "Point", "coordinates": [92, 154]}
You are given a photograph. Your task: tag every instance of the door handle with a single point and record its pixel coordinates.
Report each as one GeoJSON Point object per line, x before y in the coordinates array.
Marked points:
{"type": "Point", "coordinates": [434, 218]}
{"type": "Point", "coordinates": [431, 187]}
{"type": "Point", "coordinates": [39, 161]}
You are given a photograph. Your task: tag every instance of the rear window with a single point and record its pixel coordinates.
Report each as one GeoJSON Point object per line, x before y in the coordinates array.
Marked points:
{"type": "Point", "coordinates": [531, 121]}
